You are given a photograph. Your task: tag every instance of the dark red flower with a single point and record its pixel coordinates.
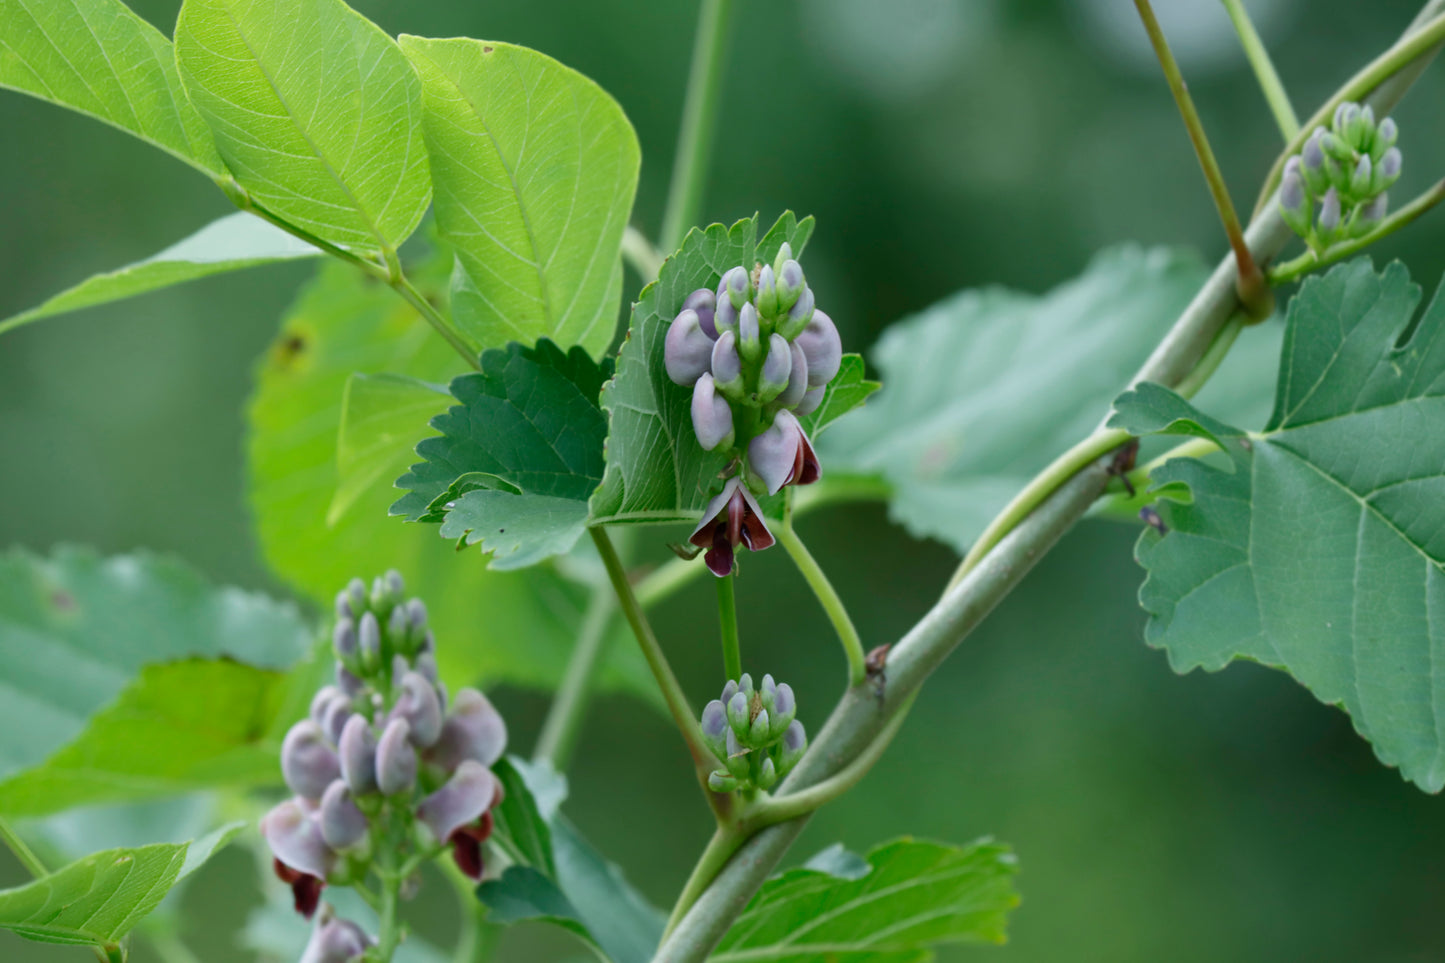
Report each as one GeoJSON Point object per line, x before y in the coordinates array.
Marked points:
{"type": "Point", "coordinates": [731, 519]}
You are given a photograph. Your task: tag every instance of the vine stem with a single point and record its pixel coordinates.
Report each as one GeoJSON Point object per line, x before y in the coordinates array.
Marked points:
{"type": "Point", "coordinates": [403, 286]}
{"type": "Point", "coordinates": [642, 254]}
{"type": "Point", "coordinates": [390, 936]}
{"type": "Point", "coordinates": [699, 122]}
{"type": "Point", "coordinates": [725, 841]}
{"type": "Point", "coordinates": [727, 614]}
{"type": "Point", "coordinates": [569, 707]}
{"type": "Point", "coordinates": [1264, 72]}
{"type": "Point", "coordinates": [1310, 261]}
{"type": "Point", "coordinates": [828, 598]}
{"type": "Point", "coordinates": [22, 852]}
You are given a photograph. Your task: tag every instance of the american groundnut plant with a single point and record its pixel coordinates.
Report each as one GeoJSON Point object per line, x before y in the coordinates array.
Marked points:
{"type": "Point", "coordinates": [474, 201]}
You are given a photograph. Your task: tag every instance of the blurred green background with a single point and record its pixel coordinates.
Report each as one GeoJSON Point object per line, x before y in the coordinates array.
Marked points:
{"type": "Point", "coordinates": [941, 144]}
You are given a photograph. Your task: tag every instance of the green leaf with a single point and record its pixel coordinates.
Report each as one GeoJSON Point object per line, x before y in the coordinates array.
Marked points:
{"type": "Point", "coordinates": [656, 471]}
{"type": "Point", "coordinates": [234, 242]}
{"type": "Point", "coordinates": [848, 390]}
{"type": "Point", "coordinates": [75, 628]}
{"type": "Point", "coordinates": [521, 819]}
{"type": "Point", "coordinates": [97, 57]}
{"type": "Point", "coordinates": [915, 895]}
{"type": "Point", "coordinates": [344, 324]}
{"type": "Point", "coordinates": [179, 727]}
{"type": "Point", "coordinates": [1316, 546]}
{"type": "Point", "coordinates": [316, 112]}
{"type": "Point", "coordinates": [98, 899]}
{"type": "Point", "coordinates": [528, 430]}
{"type": "Point", "coordinates": [534, 168]}
{"type": "Point", "coordinates": [379, 418]}
{"type": "Point", "coordinates": [985, 387]}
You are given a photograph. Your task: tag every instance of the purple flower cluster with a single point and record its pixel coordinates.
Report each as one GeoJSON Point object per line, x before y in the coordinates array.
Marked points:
{"type": "Point", "coordinates": [753, 733]}
{"type": "Point", "coordinates": [383, 761]}
{"type": "Point", "coordinates": [757, 354]}
{"type": "Point", "coordinates": [1335, 188]}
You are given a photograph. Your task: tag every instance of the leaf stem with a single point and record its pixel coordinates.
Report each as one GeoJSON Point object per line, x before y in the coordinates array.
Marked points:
{"type": "Point", "coordinates": [1310, 261]}
{"type": "Point", "coordinates": [725, 841]}
{"type": "Point", "coordinates": [642, 254]}
{"type": "Point", "coordinates": [403, 286]}
{"type": "Point", "coordinates": [22, 852]}
{"type": "Point", "coordinates": [828, 597]}
{"type": "Point", "coordinates": [1190, 384]}
{"type": "Point", "coordinates": [1254, 292]}
{"type": "Point", "coordinates": [1264, 72]}
{"type": "Point", "coordinates": [699, 123]}
{"type": "Point", "coordinates": [569, 708]}
{"type": "Point", "coordinates": [390, 936]}
{"type": "Point", "coordinates": [727, 614]}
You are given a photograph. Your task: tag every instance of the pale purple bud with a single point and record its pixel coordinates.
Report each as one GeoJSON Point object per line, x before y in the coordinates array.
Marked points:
{"type": "Point", "coordinates": [426, 664]}
{"type": "Point", "coordinates": [726, 316]}
{"type": "Point", "coordinates": [1386, 134]}
{"type": "Point", "coordinates": [307, 762]}
{"type": "Point", "coordinates": [369, 638]}
{"type": "Point", "coordinates": [767, 774]}
{"type": "Point", "coordinates": [334, 718]}
{"type": "Point", "coordinates": [474, 730]}
{"type": "Point", "coordinates": [768, 689]}
{"type": "Point", "coordinates": [727, 367]}
{"type": "Point", "coordinates": [335, 940]}
{"type": "Point", "coordinates": [759, 730]}
{"type": "Point", "coordinates": [356, 588]}
{"type": "Point", "coordinates": [1294, 203]}
{"type": "Point", "coordinates": [798, 315]}
{"type": "Point", "coordinates": [777, 367]}
{"type": "Point", "coordinates": [1374, 211]}
{"type": "Point", "coordinates": [794, 744]}
{"type": "Point", "coordinates": [704, 302]}
{"type": "Point", "coordinates": [721, 781]}
{"type": "Point", "coordinates": [295, 839]}
{"type": "Point", "coordinates": [745, 684]}
{"type": "Point", "coordinates": [822, 348]}
{"type": "Point", "coordinates": [812, 398]}
{"type": "Point", "coordinates": [1344, 113]}
{"type": "Point", "coordinates": [343, 639]}
{"type": "Point", "coordinates": [766, 298]}
{"type": "Point", "coordinates": [790, 284]}
{"type": "Point", "coordinates": [395, 583]}
{"type": "Point", "coordinates": [737, 756]}
{"type": "Point", "coordinates": [1389, 167]}
{"type": "Point", "coordinates": [687, 349]}
{"type": "Point", "coordinates": [738, 287]}
{"type": "Point", "coordinates": [1360, 179]}
{"type": "Point", "coordinates": [712, 418]}
{"type": "Point", "coordinates": [395, 758]}
{"type": "Point", "coordinates": [419, 706]}
{"type": "Point", "coordinates": [399, 666]}
{"type": "Point", "coordinates": [737, 709]}
{"type": "Point", "coordinates": [416, 614]}
{"type": "Point", "coordinates": [749, 332]}
{"type": "Point", "coordinates": [470, 791]}
{"type": "Point", "coordinates": [396, 625]}
{"type": "Point", "coordinates": [357, 750]}
{"type": "Point", "coordinates": [714, 727]}
{"type": "Point", "coordinates": [1329, 218]}
{"type": "Point", "coordinates": [342, 824]}
{"type": "Point", "coordinates": [348, 682]}
{"type": "Point", "coordinates": [785, 708]}
{"type": "Point", "coordinates": [321, 702]}
{"type": "Point", "coordinates": [797, 379]}
{"type": "Point", "coordinates": [728, 690]}
{"type": "Point", "coordinates": [782, 455]}
{"type": "Point", "coordinates": [343, 605]}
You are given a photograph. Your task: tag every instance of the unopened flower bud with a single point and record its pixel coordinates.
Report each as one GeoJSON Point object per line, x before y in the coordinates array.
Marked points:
{"type": "Point", "coordinates": [745, 684]}
{"type": "Point", "coordinates": [335, 940]}
{"type": "Point", "coordinates": [1335, 148]}
{"type": "Point", "coordinates": [712, 417]}
{"type": "Point", "coordinates": [356, 589]}
{"type": "Point", "coordinates": [1329, 219]}
{"type": "Point", "coordinates": [1360, 127]}
{"type": "Point", "coordinates": [687, 349]}
{"type": "Point", "coordinates": [419, 706]}
{"type": "Point", "coordinates": [714, 727]}
{"type": "Point", "coordinates": [347, 682]}
{"type": "Point", "coordinates": [726, 316]}
{"type": "Point", "coordinates": [790, 284]}
{"type": "Point", "coordinates": [321, 701]}
{"type": "Point", "coordinates": [296, 840]}
{"type": "Point", "coordinates": [798, 315]}
{"type": "Point", "coordinates": [1345, 113]}
{"type": "Point", "coordinates": [1294, 203]}
{"type": "Point", "coordinates": [426, 664]}
{"type": "Point", "coordinates": [822, 348]}
{"type": "Point", "coordinates": [727, 367]}
{"type": "Point", "coordinates": [357, 751]}
{"type": "Point", "coordinates": [784, 255]}
{"type": "Point", "coordinates": [767, 774]}
{"type": "Point", "coordinates": [738, 287]}
{"type": "Point", "coordinates": [395, 758]}
{"type": "Point", "coordinates": [333, 719]}
{"type": "Point", "coordinates": [759, 731]}
{"type": "Point", "coordinates": [395, 583]}
{"type": "Point", "coordinates": [343, 605]}
{"type": "Point", "coordinates": [343, 640]}
{"type": "Point", "coordinates": [766, 298]}
{"type": "Point", "coordinates": [1312, 159]}
{"type": "Point", "coordinates": [397, 625]}
{"type": "Point", "coordinates": [797, 379]}
{"type": "Point", "coordinates": [750, 344]}
{"type": "Point", "coordinates": [791, 749]}
{"type": "Point", "coordinates": [728, 690]}
{"type": "Point", "coordinates": [738, 714]}
{"type": "Point", "coordinates": [342, 824]}
{"type": "Point", "coordinates": [783, 455]}
{"type": "Point", "coordinates": [467, 794]}
{"type": "Point", "coordinates": [812, 398]}
{"type": "Point", "coordinates": [1385, 136]}
{"type": "Point", "coordinates": [785, 709]}
{"type": "Point", "coordinates": [777, 367]}
{"type": "Point", "coordinates": [721, 781]}
{"type": "Point", "coordinates": [1362, 176]}
{"type": "Point", "coordinates": [1389, 170]}
{"type": "Point", "coordinates": [307, 762]}
{"type": "Point", "coordinates": [474, 730]}
{"type": "Point", "coordinates": [768, 690]}
{"type": "Point", "coordinates": [704, 302]}
{"type": "Point", "coordinates": [369, 638]}
{"type": "Point", "coordinates": [737, 756]}
{"type": "Point", "coordinates": [1370, 215]}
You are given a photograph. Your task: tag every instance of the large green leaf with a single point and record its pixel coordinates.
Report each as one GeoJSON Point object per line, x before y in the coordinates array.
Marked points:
{"type": "Point", "coordinates": [99, 58]}
{"type": "Point", "coordinates": [656, 470]}
{"type": "Point", "coordinates": [534, 168]}
{"type": "Point", "coordinates": [379, 418]}
{"type": "Point", "coordinates": [316, 112]}
{"type": "Point", "coordinates": [984, 388]}
{"type": "Point", "coordinates": [75, 629]}
{"type": "Point", "coordinates": [1317, 547]}
{"type": "Point", "coordinates": [511, 626]}
{"type": "Point", "coordinates": [234, 242]}
{"type": "Point", "coordinates": [180, 726]}
{"type": "Point", "coordinates": [915, 895]}
{"type": "Point", "coordinates": [97, 900]}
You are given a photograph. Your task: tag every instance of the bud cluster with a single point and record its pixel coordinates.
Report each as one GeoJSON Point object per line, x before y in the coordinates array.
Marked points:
{"type": "Point", "coordinates": [1334, 190]}
{"type": "Point", "coordinates": [753, 733]}
{"type": "Point", "coordinates": [383, 770]}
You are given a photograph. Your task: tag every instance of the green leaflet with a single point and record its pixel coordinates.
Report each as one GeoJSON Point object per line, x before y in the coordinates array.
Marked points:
{"type": "Point", "coordinates": [231, 243]}
{"type": "Point", "coordinates": [848, 390]}
{"type": "Point", "coordinates": [1317, 548]}
{"type": "Point", "coordinates": [379, 418]}
{"type": "Point", "coordinates": [656, 471]}
{"type": "Point", "coordinates": [97, 57]}
{"type": "Point", "coordinates": [910, 896]}
{"type": "Point", "coordinates": [316, 112]}
{"type": "Point", "coordinates": [534, 168]}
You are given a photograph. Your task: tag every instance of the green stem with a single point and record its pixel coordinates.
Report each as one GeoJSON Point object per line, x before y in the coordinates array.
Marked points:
{"type": "Point", "coordinates": [1309, 261]}
{"type": "Point", "coordinates": [245, 203]}
{"type": "Point", "coordinates": [639, 252]}
{"type": "Point", "coordinates": [416, 299]}
{"type": "Point", "coordinates": [832, 604]}
{"type": "Point", "coordinates": [22, 852]}
{"type": "Point", "coordinates": [390, 936]}
{"type": "Point", "coordinates": [727, 614]}
{"type": "Point", "coordinates": [1125, 507]}
{"type": "Point", "coordinates": [1190, 384]}
{"type": "Point", "coordinates": [569, 708]}
{"type": "Point", "coordinates": [725, 841]}
{"type": "Point", "coordinates": [699, 122]}
{"type": "Point", "coordinates": [1264, 72]}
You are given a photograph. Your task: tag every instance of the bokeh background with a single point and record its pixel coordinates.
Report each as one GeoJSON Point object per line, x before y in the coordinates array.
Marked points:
{"type": "Point", "coordinates": [941, 144]}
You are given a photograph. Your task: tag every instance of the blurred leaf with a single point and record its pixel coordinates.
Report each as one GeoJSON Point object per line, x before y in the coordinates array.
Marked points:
{"type": "Point", "coordinates": [234, 242]}
{"type": "Point", "coordinates": [916, 894]}
{"type": "Point", "coordinates": [97, 57]}
{"type": "Point", "coordinates": [1319, 549]}
{"type": "Point", "coordinates": [521, 826]}
{"type": "Point", "coordinates": [528, 424]}
{"type": "Point", "coordinates": [379, 418]}
{"type": "Point", "coordinates": [848, 390]}
{"type": "Point", "coordinates": [534, 168]}
{"type": "Point", "coordinates": [316, 112]}
{"type": "Point", "coordinates": [98, 899]}
{"type": "Point", "coordinates": [179, 727]}
{"type": "Point", "coordinates": [656, 471]}
{"type": "Point", "coordinates": [517, 627]}
{"type": "Point", "coordinates": [75, 629]}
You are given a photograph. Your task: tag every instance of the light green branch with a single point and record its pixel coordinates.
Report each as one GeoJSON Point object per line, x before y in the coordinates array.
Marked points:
{"type": "Point", "coordinates": [828, 597]}
{"type": "Point", "coordinates": [1264, 72]}
{"type": "Point", "coordinates": [699, 123]}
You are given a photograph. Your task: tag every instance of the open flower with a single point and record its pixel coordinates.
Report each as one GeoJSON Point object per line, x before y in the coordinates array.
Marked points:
{"type": "Point", "coordinates": [731, 519]}
{"type": "Point", "coordinates": [782, 455]}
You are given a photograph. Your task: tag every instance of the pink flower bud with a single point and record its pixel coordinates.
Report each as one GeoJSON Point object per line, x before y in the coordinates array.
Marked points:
{"type": "Point", "coordinates": [295, 839]}
{"type": "Point", "coordinates": [307, 762]}
{"type": "Point", "coordinates": [342, 824]}
{"type": "Point", "coordinates": [396, 760]}
{"type": "Point", "coordinates": [471, 791]}
{"type": "Point", "coordinates": [474, 730]}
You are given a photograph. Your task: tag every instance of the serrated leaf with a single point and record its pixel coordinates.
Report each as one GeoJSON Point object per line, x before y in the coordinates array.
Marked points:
{"type": "Point", "coordinates": [656, 471]}
{"type": "Point", "coordinates": [343, 324]}
{"type": "Point", "coordinates": [98, 58]}
{"type": "Point", "coordinates": [984, 388]}
{"type": "Point", "coordinates": [534, 168]}
{"type": "Point", "coordinates": [76, 628]}
{"type": "Point", "coordinates": [848, 390]}
{"type": "Point", "coordinates": [316, 112]}
{"type": "Point", "coordinates": [518, 458]}
{"type": "Point", "coordinates": [98, 899]}
{"type": "Point", "coordinates": [1318, 548]}
{"type": "Point", "coordinates": [234, 242]}
{"type": "Point", "coordinates": [181, 726]}
{"type": "Point", "coordinates": [379, 418]}
{"type": "Point", "coordinates": [916, 895]}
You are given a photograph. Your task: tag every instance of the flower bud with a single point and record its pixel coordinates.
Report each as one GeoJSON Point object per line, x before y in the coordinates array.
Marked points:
{"type": "Point", "coordinates": [727, 367]}
{"type": "Point", "coordinates": [419, 706]}
{"type": "Point", "coordinates": [785, 708]}
{"type": "Point", "coordinates": [798, 315]}
{"type": "Point", "coordinates": [737, 757]}
{"type": "Point", "coordinates": [1385, 136]}
{"type": "Point", "coordinates": [768, 690]}
{"type": "Point", "coordinates": [1360, 127]}
{"type": "Point", "coordinates": [396, 761]}
{"type": "Point", "coordinates": [784, 255]}
{"type": "Point", "coordinates": [812, 398]}
{"type": "Point", "coordinates": [1389, 170]}
{"type": "Point", "coordinates": [777, 367]}
{"type": "Point", "coordinates": [349, 684]}
{"type": "Point", "coordinates": [738, 714]}
{"type": "Point", "coordinates": [369, 638]}
{"type": "Point", "coordinates": [356, 589]}
{"type": "Point", "coordinates": [714, 727]}
{"type": "Point", "coordinates": [1329, 218]}
{"type": "Point", "coordinates": [474, 730]}
{"type": "Point", "coordinates": [767, 297]}
{"type": "Point", "coordinates": [721, 781]}
{"type": "Point", "coordinates": [335, 940]}
{"type": "Point", "coordinates": [1312, 159]}
{"type": "Point", "coordinates": [687, 349]}
{"type": "Point", "coordinates": [397, 626]}
{"type": "Point", "coordinates": [728, 690]}
{"type": "Point", "coordinates": [745, 684]}
{"type": "Point", "coordinates": [712, 418]}
{"type": "Point", "coordinates": [750, 344]}
{"type": "Point", "coordinates": [343, 605]}
{"type": "Point", "coordinates": [1370, 215]}
{"type": "Point", "coordinates": [791, 749]}
{"type": "Point", "coordinates": [704, 302]}
{"type": "Point", "coordinates": [296, 841]}
{"type": "Point", "coordinates": [343, 640]}
{"type": "Point", "coordinates": [1361, 178]}
{"type": "Point", "coordinates": [783, 455]}
{"type": "Point", "coordinates": [334, 718]}
{"type": "Point", "coordinates": [759, 730]}
{"type": "Point", "coordinates": [320, 702]}
{"type": "Point", "coordinates": [822, 348]}
{"type": "Point", "coordinates": [790, 284]}
{"type": "Point", "coordinates": [1345, 114]}
{"type": "Point", "coordinates": [726, 316]}
{"type": "Point", "coordinates": [470, 792]}
{"type": "Point", "coordinates": [767, 774]}
{"type": "Point", "coordinates": [342, 824]}
{"type": "Point", "coordinates": [307, 762]}
{"type": "Point", "coordinates": [426, 664]}
{"type": "Point", "coordinates": [797, 380]}
{"type": "Point", "coordinates": [416, 615]}
{"type": "Point", "coordinates": [395, 583]}
{"type": "Point", "coordinates": [357, 751]}
{"type": "Point", "coordinates": [1335, 148]}
{"type": "Point", "coordinates": [738, 287]}
{"type": "Point", "coordinates": [1294, 203]}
